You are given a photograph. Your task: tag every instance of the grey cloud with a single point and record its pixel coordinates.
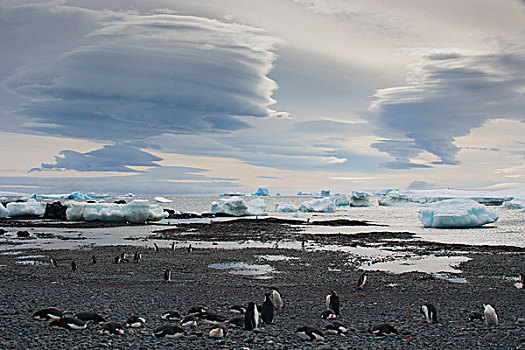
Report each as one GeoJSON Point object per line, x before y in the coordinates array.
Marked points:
{"type": "Point", "coordinates": [446, 98]}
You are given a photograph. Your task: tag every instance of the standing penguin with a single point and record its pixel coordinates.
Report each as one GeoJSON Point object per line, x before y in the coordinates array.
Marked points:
{"type": "Point", "coordinates": [156, 247]}
{"type": "Point", "coordinates": [267, 309]}
{"type": "Point", "coordinates": [278, 302]}
{"type": "Point", "coordinates": [361, 281]}
{"type": "Point", "coordinates": [167, 275]}
{"type": "Point", "coordinates": [94, 259]}
{"type": "Point", "coordinates": [137, 258]}
{"type": "Point", "coordinates": [430, 313]}
{"type": "Point", "coordinates": [73, 266]}
{"type": "Point", "coordinates": [173, 246]}
{"type": "Point", "coordinates": [491, 318]}
{"type": "Point", "coordinates": [190, 248]}
{"type": "Point", "coordinates": [251, 317]}
{"type": "Point", "coordinates": [332, 302]}
{"type": "Point", "coordinates": [53, 262]}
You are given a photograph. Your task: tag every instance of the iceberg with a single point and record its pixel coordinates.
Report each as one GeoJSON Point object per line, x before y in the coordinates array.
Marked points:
{"type": "Point", "coordinates": [262, 192]}
{"type": "Point", "coordinates": [417, 197]}
{"type": "Point", "coordinates": [325, 193]}
{"type": "Point", "coordinates": [29, 208]}
{"type": "Point", "coordinates": [286, 208]}
{"type": "Point", "coordinates": [3, 211]}
{"type": "Point", "coordinates": [516, 203]}
{"type": "Point", "coordinates": [360, 199]}
{"type": "Point", "coordinates": [72, 196]}
{"type": "Point", "coordinates": [239, 207]}
{"type": "Point", "coordinates": [341, 200]}
{"type": "Point", "coordinates": [137, 211]}
{"type": "Point", "coordinates": [318, 205]}
{"type": "Point", "coordinates": [456, 213]}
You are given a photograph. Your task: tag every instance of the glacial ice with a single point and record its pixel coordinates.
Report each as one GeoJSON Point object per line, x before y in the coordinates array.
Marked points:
{"type": "Point", "coordinates": [286, 208]}
{"type": "Point", "coordinates": [29, 208]}
{"type": "Point", "coordinates": [360, 199]}
{"type": "Point", "coordinates": [137, 211]}
{"type": "Point", "coordinates": [239, 207]}
{"type": "Point", "coordinates": [456, 213]}
{"type": "Point", "coordinates": [262, 192]}
{"type": "Point", "coordinates": [3, 211]}
{"type": "Point", "coordinates": [318, 205]}
{"type": "Point", "coordinates": [341, 200]}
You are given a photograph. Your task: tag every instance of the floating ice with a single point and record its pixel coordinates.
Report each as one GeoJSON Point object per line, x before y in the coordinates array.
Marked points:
{"type": "Point", "coordinates": [136, 211]}
{"type": "Point", "coordinates": [286, 208]}
{"type": "Point", "coordinates": [239, 207]}
{"type": "Point", "coordinates": [3, 211]}
{"type": "Point", "coordinates": [516, 203]}
{"type": "Point", "coordinates": [163, 200]}
{"type": "Point", "coordinates": [232, 194]}
{"type": "Point", "coordinates": [456, 213]}
{"type": "Point", "coordinates": [415, 197]}
{"type": "Point", "coordinates": [360, 199]}
{"type": "Point", "coordinates": [262, 192]}
{"type": "Point", "coordinates": [341, 200]}
{"type": "Point", "coordinates": [319, 205]}
{"type": "Point", "coordinates": [325, 193]}
{"type": "Point", "coordinates": [73, 196]}
{"type": "Point", "coordinates": [29, 208]}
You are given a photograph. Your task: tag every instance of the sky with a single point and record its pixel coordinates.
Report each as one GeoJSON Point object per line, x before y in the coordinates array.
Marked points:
{"type": "Point", "coordinates": [208, 97]}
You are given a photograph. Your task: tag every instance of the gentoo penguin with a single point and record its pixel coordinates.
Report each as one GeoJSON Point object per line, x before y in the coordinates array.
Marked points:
{"type": "Point", "coordinates": [332, 302]}
{"type": "Point", "coordinates": [155, 246]}
{"type": "Point", "coordinates": [238, 309]}
{"type": "Point", "coordinates": [328, 315]}
{"type": "Point", "coordinates": [197, 310]}
{"type": "Point", "coordinates": [278, 302]}
{"type": "Point", "coordinates": [48, 314]}
{"type": "Point", "coordinates": [53, 262]}
{"type": "Point", "coordinates": [167, 275]}
{"type": "Point", "coordinates": [430, 313]}
{"type": "Point", "coordinates": [190, 248]}
{"type": "Point", "coordinates": [112, 328]}
{"type": "Point", "coordinates": [168, 331]}
{"type": "Point", "coordinates": [310, 333]}
{"type": "Point", "coordinates": [135, 321]}
{"type": "Point", "coordinates": [94, 259]}
{"type": "Point", "coordinates": [475, 316]}
{"type": "Point", "coordinates": [251, 318]}
{"type": "Point", "coordinates": [522, 280]}
{"type": "Point", "coordinates": [189, 321]}
{"type": "Point", "coordinates": [267, 309]}
{"type": "Point", "coordinates": [124, 257]}
{"type": "Point", "coordinates": [218, 332]}
{"type": "Point", "coordinates": [117, 260]}
{"type": "Point", "coordinates": [90, 317]}
{"type": "Point", "coordinates": [491, 318]}
{"type": "Point", "coordinates": [68, 323]}
{"type": "Point", "coordinates": [137, 257]}
{"type": "Point", "coordinates": [73, 266]}
{"type": "Point", "coordinates": [237, 321]}
{"type": "Point", "coordinates": [212, 318]}
{"type": "Point", "coordinates": [170, 315]}
{"type": "Point", "coordinates": [383, 329]}
{"type": "Point", "coordinates": [361, 281]}
{"type": "Point", "coordinates": [173, 246]}
{"type": "Point", "coordinates": [336, 328]}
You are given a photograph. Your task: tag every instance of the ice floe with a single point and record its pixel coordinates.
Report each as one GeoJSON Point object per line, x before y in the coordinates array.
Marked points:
{"type": "Point", "coordinates": [318, 205]}
{"type": "Point", "coordinates": [516, 203]}
{"type": "Point", "coordinates": [29, 208]}
{"type": "Point", "coordinates": [456, 213]}
{"type": "Point", "coordinates": [286, 208]}
{"type": "Point", "coordinates": [360, 199]}
{"type": "Point", "coordinates": [73, 196]}
{"type": "Point", "coordinates": [239, 207]}
{"type": "Point", "coordinates": [163, 200]}
{"type": "Point", "coordinates": [137, 211]}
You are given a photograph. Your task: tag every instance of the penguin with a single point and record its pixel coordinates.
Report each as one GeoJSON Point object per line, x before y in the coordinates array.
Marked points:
{"type": "Point", "coordinates": [430, 313]}
{"type": "Point", "coordinates": [48, 314]}
{"type": "Point", "coordinates": [117, 259]}
{"type": "Point", "coordinates": [94, 259]}
{"type": "Point", "coordinates": [361, 281]}
{"type": "Point", "coordinates": [112, 328]}
{"type": "Point", "coordinates": [135, 321]}
{"type": "Point", "coordinates": [167, 275]}
{"type": "Point", "coordinates": [137, 258]}
{"type": "Point", "coordinates": [73, 266]}
{"type": "Point", "coordinates": [197, 310]}
{"type": "Point", "coordinates": [336, 328]}
{"type": "Point", "coordinates": [190, 248]}
{"type": "Point", "coordinates": [491, 318]}
{"type": "Point", "coordinates": [124, 257]}
{"type": "Point", "coordinates": [189, 321]}
{"type": "Point", "coordinates": [332, 302]}
{"type": "Point", "coordinates": [383, 329]}
{"type": "Point", "coordinates": [53, 262]}
{"type": "Point", "coordinates": [475, 316]}
{"type": "Point", "coordinates": [218, 332]}
{"type": "Point", "coordinates": [212, 318]}
{"type": "Point", "coordinates": [522, 281]}
{"type": "Point", "coordinates": [90, 317]}
{"type": "Point", "coordinates": [251, 318]}
{"type": "Point", "coordinates": [238, 309]}
{"type": "Point", "coordinates": [278, 302]}
{"type": "Point", "coordinates": [67, 322]}
{"type": "Point", "coordinates": [170, 315]}
{"type": "Point", "coordinates": [173, 246]}
{"type": "Point", "coordinates": [168, 331]}
{"type": "Point", "coordinates": [310, 333]}
{"type": "Point", "coordinates": [237, 322]}
{"type": "Point", "coordinates": [156, 247]}
{"type": "Point", "coordinates": [328, 315]}
{"type": "Point", "coordinates": [267, 314]}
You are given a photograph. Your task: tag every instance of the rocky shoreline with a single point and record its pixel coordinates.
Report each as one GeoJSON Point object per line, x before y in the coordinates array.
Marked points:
{"type": "Point", "coordinates": [304, 277]}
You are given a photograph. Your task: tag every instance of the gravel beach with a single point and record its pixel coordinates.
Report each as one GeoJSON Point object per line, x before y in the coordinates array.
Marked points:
{"type": "Point", "coordinates": [117, 291]}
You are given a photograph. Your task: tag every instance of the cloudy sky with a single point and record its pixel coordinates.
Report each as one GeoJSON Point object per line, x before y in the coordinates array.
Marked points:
{"type": "Point", "coordinates": [202, 96]}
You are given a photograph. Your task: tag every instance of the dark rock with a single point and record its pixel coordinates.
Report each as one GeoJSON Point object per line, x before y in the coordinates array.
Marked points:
{"type": "Point", "coordinates": [120, 201]}
{"type": "Point", "coordinates": [22, 234]}
{"type": "Point", "coordinates": [55, 211]}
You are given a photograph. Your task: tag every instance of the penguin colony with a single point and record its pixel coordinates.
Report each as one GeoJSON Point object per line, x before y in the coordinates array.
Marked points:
{"type": "Point", "coordinates": [251, 315]}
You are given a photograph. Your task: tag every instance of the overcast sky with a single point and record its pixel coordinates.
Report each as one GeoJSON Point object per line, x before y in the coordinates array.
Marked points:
{"type": "Point", "coordinates": [178, 96]}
